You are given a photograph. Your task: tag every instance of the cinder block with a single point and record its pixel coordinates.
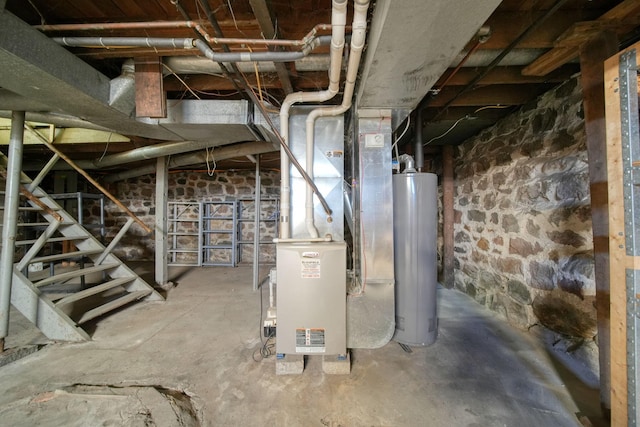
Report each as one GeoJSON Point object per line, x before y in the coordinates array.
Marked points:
{"type": "Point", "coordinates": [337, 364]}
{"type": "Point", "coordinates": [290, 364]}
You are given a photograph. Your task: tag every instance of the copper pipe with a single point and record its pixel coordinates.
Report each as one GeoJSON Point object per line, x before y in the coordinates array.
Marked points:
{"type": "Point", "coordinates": [455, 70]}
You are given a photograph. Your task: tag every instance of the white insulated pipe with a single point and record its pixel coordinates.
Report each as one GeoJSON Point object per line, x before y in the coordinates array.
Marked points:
{"type": "Point", "coordinates": [338, 23]}
{"type": "Point", "coordinates": [358, 35]}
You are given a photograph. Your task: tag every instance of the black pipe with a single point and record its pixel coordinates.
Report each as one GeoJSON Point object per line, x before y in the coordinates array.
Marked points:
{"type": "Point", "coordinates": [418, 151]}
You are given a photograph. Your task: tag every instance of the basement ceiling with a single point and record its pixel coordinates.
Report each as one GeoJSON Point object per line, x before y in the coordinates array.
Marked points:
{"type": "Point", "coordinates": [464, 64]}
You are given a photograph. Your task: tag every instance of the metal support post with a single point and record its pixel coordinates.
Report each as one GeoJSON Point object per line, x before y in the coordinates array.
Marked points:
{"type": "Point", "coordinates": [256, 228]}
{"type": "Point", "coordinates": [10, 220]}
{"type": "Point", "coordinates": [630, 141]}
{"type": "Point", "coordinates": [162, 184]}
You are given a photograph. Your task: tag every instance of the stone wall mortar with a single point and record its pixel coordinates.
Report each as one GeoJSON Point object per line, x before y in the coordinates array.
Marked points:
{"type": "Point", "coordinates": [523, 232]}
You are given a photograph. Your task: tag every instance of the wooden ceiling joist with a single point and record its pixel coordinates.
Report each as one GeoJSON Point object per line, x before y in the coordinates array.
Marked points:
{"type": "Point", "coordinates": [619, 19]}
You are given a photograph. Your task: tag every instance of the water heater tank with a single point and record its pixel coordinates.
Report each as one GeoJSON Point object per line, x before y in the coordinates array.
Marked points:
{"type": "Point", "coordinates": [415, 231]}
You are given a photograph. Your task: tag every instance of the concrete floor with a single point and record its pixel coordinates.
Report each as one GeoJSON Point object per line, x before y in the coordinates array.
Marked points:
{"type": "Point", "coordinates": [190, 362]}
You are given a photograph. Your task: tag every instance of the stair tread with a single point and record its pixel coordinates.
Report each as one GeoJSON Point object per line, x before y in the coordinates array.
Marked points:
{"type": "Point", "coordinates": [75, 273]}
{"type": "Point", "coordinates": [112, 305]}
{"type": "Point", "coordinates": [51, 240]}
{"type": "Point", "coordinates": [67, 255]}
{"type": "Point", "coordinates": [30, 208]}
{"type": "Point", "coordinates": [94, 290]}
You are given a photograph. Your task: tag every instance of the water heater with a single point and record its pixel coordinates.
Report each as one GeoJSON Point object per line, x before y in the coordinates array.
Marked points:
{"type": "Point", "coordinates": [415, 222]}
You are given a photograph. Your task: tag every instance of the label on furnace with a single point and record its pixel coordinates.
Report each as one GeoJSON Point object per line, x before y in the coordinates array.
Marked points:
{"type": "Point", "coordinates": [310, 268]}
{"type": "Point", "coordinates": [310, 340]}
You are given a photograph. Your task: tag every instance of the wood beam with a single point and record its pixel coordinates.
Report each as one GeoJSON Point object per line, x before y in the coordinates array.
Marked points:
{"type": "Point", "coordinates": [448, 217]}
{"type": "Point", "coordinates": [489, 95]}
{"type": "Point", "coordinates": [619, 261]}
{"type": "Point", "coordinates": [63, 136]}
{"type": "Point", "coordinates": [263, 15]}
{"type": "Point", "coordinates": [620, 19]}
{"type": "Point", "coordinates": [550, 61]}
{"type": "Point", "coordinates": [506, 26]}
{"type": "Point", "coordinates": [151, 100]}
{"type": "Point", "coordinates": [508, 75]}
{"type": "Point", "coordinates": [592, 57]}
{"type": "Point", "coordinates": [451, 114]}
{"type": "Point", "coordinates": [307, 80]}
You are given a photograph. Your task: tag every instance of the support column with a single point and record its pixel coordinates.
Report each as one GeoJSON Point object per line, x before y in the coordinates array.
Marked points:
{"type": "Point", "coordinates": [448, 216]}
{"type": "Point", "coordinates": [256, 229]}
{"type": "Point", "coordinates": [10, 220]}
{"type": "Point", "coordinates": [592, 57]}
{"type": "Point", "coordinates": [162, 184]}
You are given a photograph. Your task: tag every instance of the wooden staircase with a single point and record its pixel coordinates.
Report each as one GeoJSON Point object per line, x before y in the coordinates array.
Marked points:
{"type": "Point", "coordinates": [58, 300]}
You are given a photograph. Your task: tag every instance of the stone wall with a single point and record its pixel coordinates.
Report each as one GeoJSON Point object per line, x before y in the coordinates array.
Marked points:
{"type": "Point", "coordinates": [138, 194]}
{"type": "Point", "coordinates": [523, 235]}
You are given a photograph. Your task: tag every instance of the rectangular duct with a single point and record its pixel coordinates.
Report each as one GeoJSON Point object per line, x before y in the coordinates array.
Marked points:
{"type": "Point", "coordinates": [328, 172]}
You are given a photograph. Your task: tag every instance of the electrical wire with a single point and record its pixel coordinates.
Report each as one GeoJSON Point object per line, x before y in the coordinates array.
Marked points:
{"type": "Point", "coordinates": [403, 132]}
{"type": "Point", "coordinates": [467, 117]}
{"type": "Point", "coordinates": [233, 16]}
{"type": "Point", "coordinates": [181, 81]}
{"type": "Point", "coordinates": [266, 350]}
{"type": "Point", "coordinates": [255, 68]}
{"type": "Point", "coordinates": [210, 171]}
{"type": "Point", "coordinates": [487, 107]}
{"type": "Point", "coordinates": [267, 347]}
{"type": "Point", "coordinates": [42, 21]}
{"type": "Point", "coordinates": [106, 148]}
{"type": "Point", "coordinates": [204, 92]}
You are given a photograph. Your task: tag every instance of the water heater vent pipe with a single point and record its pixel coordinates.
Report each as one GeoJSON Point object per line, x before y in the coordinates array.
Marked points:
{"type": "Point", "coordinates": [408, 162]}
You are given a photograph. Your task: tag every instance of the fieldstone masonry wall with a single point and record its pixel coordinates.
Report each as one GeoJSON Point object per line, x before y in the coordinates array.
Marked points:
{"type": "Point", "coordinates": [523, 234]}
{"type": "Point", "coordinates": [138, 194]}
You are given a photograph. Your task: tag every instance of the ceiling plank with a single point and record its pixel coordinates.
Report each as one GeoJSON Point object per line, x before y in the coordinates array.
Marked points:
{"type": "Point", "coordinates": [506, 26]}
{"type": "Point", "coordinates": [315, 80]}
{"type": "Point", "coordinates": [263, 15]}
{"type": "Point", "coordinates": [489, 95]}
{"type": "Point", "coordinates": [508, 75]}
{"type": "Point", "coordinates": [451, 114]}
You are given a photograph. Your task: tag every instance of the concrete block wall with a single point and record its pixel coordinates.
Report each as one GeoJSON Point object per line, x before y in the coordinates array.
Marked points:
{"type": "Point", "coordinates": [138, 194]}
{"type": "Point", "coordinates": [523, 232]}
